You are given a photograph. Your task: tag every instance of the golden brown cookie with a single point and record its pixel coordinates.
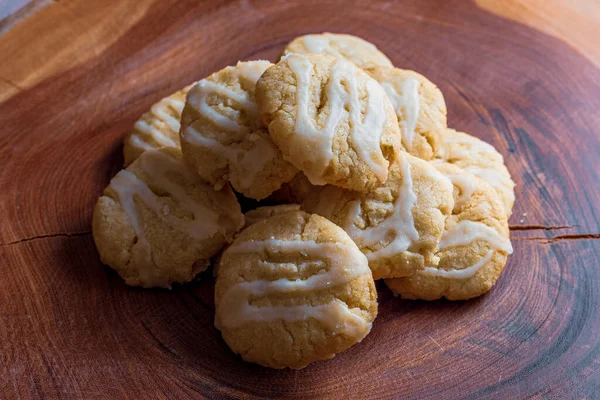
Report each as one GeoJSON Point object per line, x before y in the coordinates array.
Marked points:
{"type": "Point", "coordinates": [293, 289]}
{"type": "Point", "coordinates": [397, 225]}
{"type": "Point", "coordinates": [473, 249]}
{"type": "Point", "coordinates": [158, 223]}
{"type": "Point", "coordinates": [223, 137]}
{"type": "Point", "coordinates": [330, 120]}
{"type": "Point", "coordinates": [480, 159]}
{"type": "Point", "coordinates": [351, 48]}
{"type": "Point", "coordinates": [420, 107]}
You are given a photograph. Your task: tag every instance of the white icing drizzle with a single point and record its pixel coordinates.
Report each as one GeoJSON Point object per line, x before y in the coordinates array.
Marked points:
{"type": "Point", "coordinates": [235, 310]}
{"type": "Point", "coordinates": [349, 48]}
{"type": "Point", "coordinates": [400, 222]}
{"type": "Point", "coordinates": [460, 273]}
{"type": "Point", "coordinates": [205, 88]}
{"type": "Point", "coordinates": [466, 232]}
{"type": "Point", "coordinates": [159, 136]}
{"type": "Point", "coordinates": [335, 315]}
{"type": "Point", "coordinates": [249, 73]}
{"type": "Point", "coordinates": [463, 147]}
{"type": "Point", "coordinates": [365, 135]}
{"type": "Point", "coordinates": [319, 44]}
{"type": "Point", "coordinates": [176, 104]}
{"type": "Point", "coordinates": [466, 186]}
{"type": "Point", "coordinates": [406, 104]}
{"type": "Point", "coordinates": [128, 186]}
{"type": "Point", "coordinates": [194, 137]}
{"type": "Point", "coordinates": [474, 145]}
{"type": "Point", "coordinates": [491, 175]}
{"type": "Point", "coordinates": [172, 123]}
{"type": "Point", "coordinates": [285, 56]}
{"type": "Point", "coordinates": [136, 141]}
{"type": "Point", "coordinates": [321, 139]}
{"type": "Point", "coordinates": [495, 178]}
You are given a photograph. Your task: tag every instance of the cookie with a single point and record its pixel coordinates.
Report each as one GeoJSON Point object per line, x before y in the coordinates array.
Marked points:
{"type": "Point", "coordinates": [261, 213]}
{"type": "Point", "coordinates": [293, 289]}
{"type": "Point", "coordinates": [351, 48]}
{"type": "Point", "coordinates": [330, 120]}
{"type": "Point", "coordinates": [157, 128]}
{"type": "Point", "coordinates": [158, 223]}
{"type": "Point", "coordinates": [420, 107]}
{"type": "Point", "coordinates": [397, 225]}
{"type": "Point", "coordinates": [223, 138]}
{"type": "Point", "coordinates": [294, 191]}
{"type": "Point", "coordinates": [482, 160]}
{"type": "Point", "coordinates": [473, 248]}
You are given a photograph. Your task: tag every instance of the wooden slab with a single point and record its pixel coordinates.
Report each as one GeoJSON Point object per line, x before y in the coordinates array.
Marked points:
{"type": "Point", "coordinates": [71, 329]}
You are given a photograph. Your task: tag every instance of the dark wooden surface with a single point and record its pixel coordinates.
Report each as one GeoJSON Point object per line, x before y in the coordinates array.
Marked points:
{"type": "Point", "coordinates": [69, 327]}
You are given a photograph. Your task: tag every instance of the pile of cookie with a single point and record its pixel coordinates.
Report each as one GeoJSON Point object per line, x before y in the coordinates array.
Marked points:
{"type": "Point", "coordinates": [354, 177]}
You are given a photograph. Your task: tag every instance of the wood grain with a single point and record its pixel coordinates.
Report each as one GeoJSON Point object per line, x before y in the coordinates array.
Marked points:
{"type": "Point", "coordinates": [70, 327]}
{"type": "Point", "coordinates": [575, 22]}
{"type": "Point", "coordinates": [61, 36]}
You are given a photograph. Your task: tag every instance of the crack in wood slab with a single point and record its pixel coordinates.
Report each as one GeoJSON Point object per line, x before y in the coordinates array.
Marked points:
{"type": "Point", "coordinates": [539, 227]}
{"type": "Point", "coordinates": [543, 240]}
{"type": "Point", "coordinates": [585, 236]}
{"type": "Point", "coordinates": [50, 235]}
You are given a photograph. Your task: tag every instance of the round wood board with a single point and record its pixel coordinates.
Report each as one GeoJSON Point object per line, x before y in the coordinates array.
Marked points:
{"type": "Point", "coordinates": [70, 328]}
